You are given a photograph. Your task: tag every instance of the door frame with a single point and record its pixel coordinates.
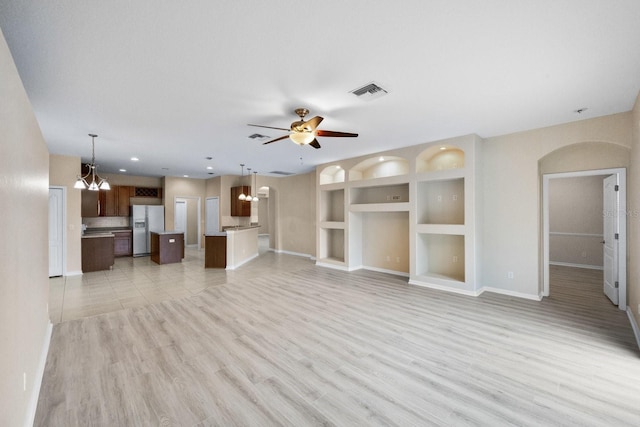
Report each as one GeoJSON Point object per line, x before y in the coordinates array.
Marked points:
{"type": "Point", "coordinates": [63, 225]}
{"type": "Point", "coordinates": [198, 222]}
{"type": "Point", "coordinates": [622, 217]}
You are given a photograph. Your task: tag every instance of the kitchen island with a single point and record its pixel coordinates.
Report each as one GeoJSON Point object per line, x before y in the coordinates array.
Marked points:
{"type": "Point", "coordinates": [167, 247]}
{"type": "Point", "coordinates": [240, 245]}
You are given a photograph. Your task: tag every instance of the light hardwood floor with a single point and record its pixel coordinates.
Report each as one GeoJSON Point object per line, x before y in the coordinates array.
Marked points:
{"type": "Point", "coordinates": [311, 346]}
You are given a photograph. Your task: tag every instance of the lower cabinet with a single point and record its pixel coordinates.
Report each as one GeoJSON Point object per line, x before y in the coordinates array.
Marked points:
{"type": "Point", "coordinates": [122, 243]}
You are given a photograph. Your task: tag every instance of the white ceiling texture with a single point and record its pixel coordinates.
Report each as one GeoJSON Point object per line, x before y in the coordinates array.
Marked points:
{"type": "Point", "coordinates": [175, 82]}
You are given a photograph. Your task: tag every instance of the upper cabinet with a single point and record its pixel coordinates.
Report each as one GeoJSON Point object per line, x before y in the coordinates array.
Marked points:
{"type": "Point", "coordinates": [240, 207]}
{"type": "Point", "coordinates": [114, 202]}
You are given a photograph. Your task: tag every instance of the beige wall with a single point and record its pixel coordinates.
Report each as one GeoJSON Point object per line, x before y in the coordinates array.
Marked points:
{"type": "Point", "coordinates": [576, 220]}
{"type": "Point", "coordinates": [63, 171]}
{"type": "Point", "coordinates": [633, 206]}
{"type": "Point", "coordinates": [511, 192]}
{"type": "Point", "coordinates": [24, 260]}
{"type": "Point", "coordinates": [182, 187]}
{"type": "Point", "coordinates": [385, 240]}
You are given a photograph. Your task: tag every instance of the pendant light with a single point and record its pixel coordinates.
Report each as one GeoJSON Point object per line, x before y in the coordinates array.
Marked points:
{"type": "Point", "coordinates": [242, 196]}
{"type": "Point", "coordinates": [97, 183]}
{"type": "Point", "coordinates": [255, 186]}
{"type": "Point", "coordinates": [249, 198]}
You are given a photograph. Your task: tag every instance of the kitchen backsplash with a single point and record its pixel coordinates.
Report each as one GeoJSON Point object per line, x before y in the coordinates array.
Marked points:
{"type": "Point", "coordinates": [106, 221]}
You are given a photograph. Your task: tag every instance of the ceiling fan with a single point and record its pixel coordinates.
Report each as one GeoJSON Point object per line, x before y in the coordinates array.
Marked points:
{"type": "Point", "coordinates": [305, 133]}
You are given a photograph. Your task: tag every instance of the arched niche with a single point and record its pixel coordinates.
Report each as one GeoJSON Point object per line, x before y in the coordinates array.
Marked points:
{"type": "Point", "coordinates": [379, 167]}
{"type": "Point", "coordinates": [585, 156]}
{"type": "Point", "coordinates": [332, 174]}
{"type": "Point", "coordinates": [440, 157]}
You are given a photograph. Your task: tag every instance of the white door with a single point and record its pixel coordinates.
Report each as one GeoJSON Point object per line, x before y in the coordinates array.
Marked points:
{"type": "Point", "coordinates": [56, 228]}
{"type": "Point", "coordinates": [212, 215]}
{"type": "Point", "coordinates": [611, 234]}
{"type": "Point", "coordinates": [180, 219]}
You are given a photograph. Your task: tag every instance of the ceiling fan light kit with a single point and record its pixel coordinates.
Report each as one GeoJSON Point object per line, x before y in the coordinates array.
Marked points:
{"type": "Point", "coordinates": [304, 132]}
{"type": "Point", "coordinates": [97, 182]}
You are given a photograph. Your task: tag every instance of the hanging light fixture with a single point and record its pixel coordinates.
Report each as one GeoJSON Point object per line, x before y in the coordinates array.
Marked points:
{"type": "Point", "coordinates": [97, 183]}
{"type": "Point", "coordinates": [242, 196]}
{"type": "Point", "coordinates": [249, 198]}
{"type": "Point", "coordinates": [255, 186]}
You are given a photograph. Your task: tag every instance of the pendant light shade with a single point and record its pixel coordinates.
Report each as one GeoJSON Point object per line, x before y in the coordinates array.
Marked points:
{"type": "Point", "coordinates": [242, 196]}
{"type": "Point", "coordinates": [92, 181]}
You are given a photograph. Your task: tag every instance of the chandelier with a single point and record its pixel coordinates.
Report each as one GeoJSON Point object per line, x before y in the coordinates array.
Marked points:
{"type": "Point", "coordinates": [97, 183]}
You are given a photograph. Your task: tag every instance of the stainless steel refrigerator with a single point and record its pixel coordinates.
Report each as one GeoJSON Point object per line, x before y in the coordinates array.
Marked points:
{"type": "Point", "coordinates": [144, 220]}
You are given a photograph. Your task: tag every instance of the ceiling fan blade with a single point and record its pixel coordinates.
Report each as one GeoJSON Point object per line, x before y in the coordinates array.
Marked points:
{"type": "Point", "coordinates": [333, 133]}
{"type": "Point", "coordinates": [274, 140]}
{"type": "Point", "coordinates": [268, 127]}
{"type": "Point", "coordinates": [314, 122]}
{"type": "Point", "coordinates": [315, 144]}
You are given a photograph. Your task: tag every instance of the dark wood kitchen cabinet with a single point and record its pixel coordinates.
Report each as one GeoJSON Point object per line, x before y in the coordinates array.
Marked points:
{"type": "Point", "coordinates": [124, 193]}
{"type": "Point", "coordinates": [108, 202]}
{"type": "Point", "coordinates": [114, 202]}
{"type": "Point", "coordinates": [122, 243]}
{"type": "Point", "coordinates": [240, 207]}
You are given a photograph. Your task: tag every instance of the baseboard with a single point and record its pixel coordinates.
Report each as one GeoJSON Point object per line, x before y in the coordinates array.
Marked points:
{"type": "Point", "coordinates": [634, 325]}
{"type": "Point", "coordinates": [279, 251]}
{"type": "Point", "coordinates": [387, 271]}
{"type": "Point", "coordinates": [37, 384]}
{"type": "Point", "coordinates": [445, 288]}
{"type": "Point", "coordinates": [233, 267]}
{"type": "Point", "coordinates": [73, 273]}
{"type": "Point", "coordinates": [569, 264]}
{"type": "Point", "coordinates": [511, 293]}
{"type": "Point", "coordinates": [333, 266]}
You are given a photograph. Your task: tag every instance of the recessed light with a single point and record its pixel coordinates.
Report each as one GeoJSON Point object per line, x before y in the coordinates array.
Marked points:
{"type": "Point", "coordinates": [134, 159]}
{"type": "Point", "coordinates": [381, 159]}
{"type": "Point", "coordinates": [123, 170]}
{"type": "Point", "coordinates": [443, 148]}
{"type": "Point", "coordinates": [209, 167]}
{"type": "Point", "coordinates": [186, 176]}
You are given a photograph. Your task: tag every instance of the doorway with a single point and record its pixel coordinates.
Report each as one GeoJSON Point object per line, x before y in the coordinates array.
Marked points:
{"type": "Point", "coordinates": [211, 215]}
{"type": "Point", "coordinates": [57, 215]}
{"type": "Point", "coordinates": [187, 220]}
{"type": "Point", "coordinates": [617, 264]}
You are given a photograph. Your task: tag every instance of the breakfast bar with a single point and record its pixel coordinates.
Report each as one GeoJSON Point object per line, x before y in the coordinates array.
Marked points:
{"type": "Point", "coordinates": [231, 248]}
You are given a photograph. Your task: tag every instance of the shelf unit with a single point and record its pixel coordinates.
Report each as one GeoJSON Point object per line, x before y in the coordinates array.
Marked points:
{"type": "Point", "coordinates": [411, 211]}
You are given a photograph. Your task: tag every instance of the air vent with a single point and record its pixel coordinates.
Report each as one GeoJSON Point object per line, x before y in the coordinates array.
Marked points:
{"type": "Point", "coordinates": [369, 91]}
{"type": "Point", "coordinates": [258, 136]}
{"type": "Point", "coordinates": [281, 173]}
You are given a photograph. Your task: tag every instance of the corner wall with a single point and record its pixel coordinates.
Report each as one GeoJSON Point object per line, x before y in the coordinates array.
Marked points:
{"type": "Point", "coordinates": [511, 193]}
{"type": "Point", "coordinates": [24, 259]}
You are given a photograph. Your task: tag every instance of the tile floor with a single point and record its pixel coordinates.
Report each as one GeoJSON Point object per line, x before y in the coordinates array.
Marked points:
{"type": "Point", "coordinates": [135, 282]}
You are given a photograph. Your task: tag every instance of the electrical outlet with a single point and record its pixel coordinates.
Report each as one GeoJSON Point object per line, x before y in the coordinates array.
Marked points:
{"type": "Point", "coordinates": [395, 197]}
{"type": "Point", "coordinates": [455, 258]}
{"type": "Point", "coordinates": [439, 197]}
{"type": "Point", "coordinates": [510, 275]}
{"type": "Point", "coordinates": [397, 259]}
{"type": "Point", "coordinates": [454, 197]}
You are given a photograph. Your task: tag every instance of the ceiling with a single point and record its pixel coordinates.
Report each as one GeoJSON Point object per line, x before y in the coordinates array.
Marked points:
{"type": "Point", "coordinates": [173, 82]}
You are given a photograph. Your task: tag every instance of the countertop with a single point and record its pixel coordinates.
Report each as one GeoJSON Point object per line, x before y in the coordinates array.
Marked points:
{"type": "Point", "coordinates": [97, 235]}
{"type": "Point", "coordinates": [240, 228]}
{"type": "Point", "coordinates": [161, 233]}
{"type": "Point", "coordinates": [107, 230]}
{"type": "Point", "coordinates": [216, 234]}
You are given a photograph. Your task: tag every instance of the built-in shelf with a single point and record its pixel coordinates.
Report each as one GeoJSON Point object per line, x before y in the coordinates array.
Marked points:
{"type": "Point", "coordinates": [395, 193]}
{"type": "Point", "coordinates": [379, 167]}
{"type": "Point", "coordinates": [440, 202]}
{"type": "Point", "coordinates": [332, 205]}
{"type": "Point", "coordinates": [332, 244]}
{"type": "Point", "coordinates": [380, 207]}
{"type": "Point", "coordinates": [440, 255]}
{"type": "Point", "coordinates": [332, 174]}
{"type": "Point", "coordinates": [440, 157]}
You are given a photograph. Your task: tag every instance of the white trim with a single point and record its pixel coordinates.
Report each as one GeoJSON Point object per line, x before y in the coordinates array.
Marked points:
{"type": "Point", "coordinates": [622, 227]}
{"type": "Point", "coordinates": [511, 293]}
{"type": "Point", "coordinates": [570, 264]}
{"type": "Point", "coordinates": [280, 251]}
{"type": "Point", "coordinates": [634, 325]}
{"type": "Point", "coordinates": [334, 266]}
{"type": "Point", "coordinates": [562, 233]}
{"type": "Point", "coordinates": [387, 271]}
{"type": "Point", "coordinates": [74, 273]}
{"type": "Point", "coordinates": [39, 374]}
{"type": "Point", "coordinates": [233, 267]}
{"type": "Point", "coordinates": [64, 226]}
{"type": "Point", "coordinates": [445, 288]}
